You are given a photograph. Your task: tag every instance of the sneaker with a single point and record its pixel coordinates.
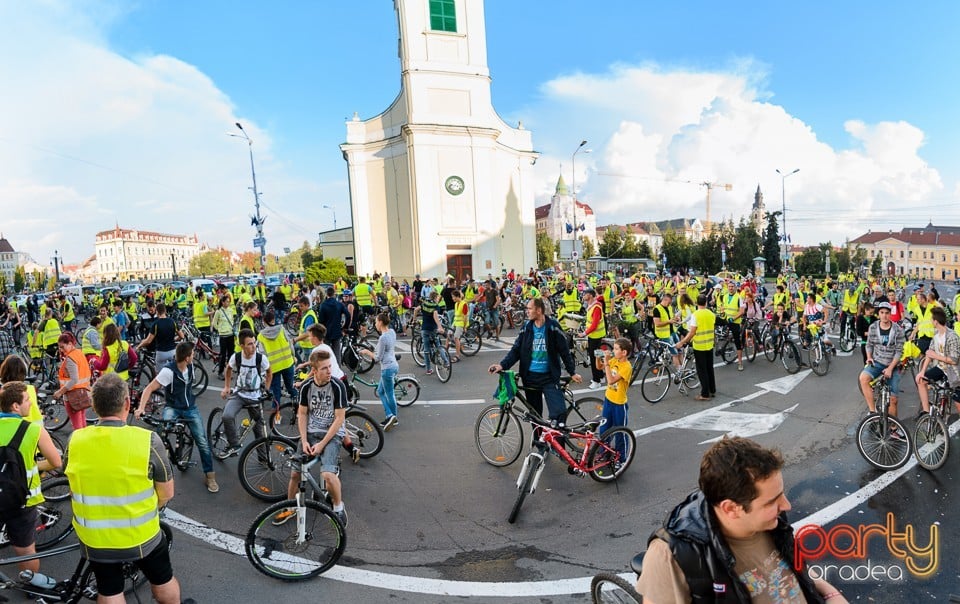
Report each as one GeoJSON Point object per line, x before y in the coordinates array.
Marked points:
{"type": "Point", "coordinates": [896, 434]}
{"type": "Point", "coordinates": [342, 516]}
{"type": "Point", "coordinates": [228, 452]}
{"type": "Point", "coordinates": [210, 481]}
{"type": "Point", "coordinates": [355, 455]}
{"type": "Point", "coordinates": [739, 366]}
{"type": "Point", "coordinates": [594, 385]}
{"type": "Point", "coordinates": [282, 517]}
{"type": "Point", "coordinates": [389, 423]}
{"type": "Point", "coordinates": [429, 372]}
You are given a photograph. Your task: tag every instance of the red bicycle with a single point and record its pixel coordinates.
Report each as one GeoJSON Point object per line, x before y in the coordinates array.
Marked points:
{"type": "Point", "coordinates": [604, 457]}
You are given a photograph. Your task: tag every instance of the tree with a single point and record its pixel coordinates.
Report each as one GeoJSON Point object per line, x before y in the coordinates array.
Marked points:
{"type": "Point", "coordinates": [545, 249]}
{"type": "Point", "coordinates": [876, 269]}
{"type": "Point", "coordinates": [613, 242]}
{"type": "Point", "coordinates": [643, 249]}
{"type": "Point", "coordinates": [771, 244]}
{"type": "Point", "coordinates": [587, 245]}
{"type": "Point", "coordinates": [208, 263]}
{"type": "Point", "coordinates": [746, 247]}
{"type": "Point", "coordinates": [677, 249]}
{"type": "Point", "coordinates": [858, 259]}
{"type": "Point", "coordinates": [249, 262]}
{"type": "Point", "coordinates": [810, 262]}
{"type": "Point", "coordinates": [19, 279]}
{"type": "Point", "coordinates": [843, 259]}
{"type": "Point", "coordinates": [325, 271]}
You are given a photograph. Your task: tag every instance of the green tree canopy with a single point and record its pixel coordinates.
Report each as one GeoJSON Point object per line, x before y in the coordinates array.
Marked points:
{"type": "Point", "coordinates": [208, 263]}
{"type": "Point", "coordinates": [545, 249]}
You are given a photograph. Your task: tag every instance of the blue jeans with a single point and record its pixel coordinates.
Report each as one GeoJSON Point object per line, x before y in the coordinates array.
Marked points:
{"type": "Point", "coordinates": [276, 388]}
{"type": "Point", "coordinates": [428, 335]}
{"type": "Point", "coordinates": [191, 416]}
{"type": "Point", "coordinates": [875, 369]}
{"type": "Point", "coordinates": [385, 391]}
{"type": "Point", "coordinates": [539, 386]}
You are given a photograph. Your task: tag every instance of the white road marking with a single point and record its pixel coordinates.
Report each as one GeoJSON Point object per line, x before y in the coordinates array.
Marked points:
{"type": "Point", "coordinates": [740, 424]}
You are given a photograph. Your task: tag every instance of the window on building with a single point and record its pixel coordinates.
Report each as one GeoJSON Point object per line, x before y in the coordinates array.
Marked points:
{"type": "Point", "coordinates": [924, 255]}
{"type": "Point", "coordinates": [443, 16]}
{"type": "Point", "coordinates": [910, 254]}
{"type": "Point", "coordinates": [943, 257]}
{"type": "Point", "coordinates": [901, 254]}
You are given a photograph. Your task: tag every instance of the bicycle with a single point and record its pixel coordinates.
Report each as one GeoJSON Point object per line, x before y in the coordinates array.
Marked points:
{"type": "Point", "coordinates": [439, 357]}
{"type": "Point", "coordinates": [605, 457]}
{"type": "Point", "coordinates": [781, 345]}
{"type": "Point", "coordinates": [363, 431]}
{"type": "Point", "coordinates": [882, 439]}
{"type": "Point", "coordinates": [848, 334]}
{"type": "Point", "coordinates": [176, 437]}
{"type": "Point", "coordinates": [818, 354]}
{"type": "Point", "coordinates": [406, 388]}
{"type": "Point", "coordinates": [931, 440]}
{"type": "Point", "coordinates": [82, 583]}
{"type": "Point", "coordinates": [351, 356]}
{"type": "Point", "coordinates": [658, 377]}
{"type": "Point", "coordinates": [608, 588]}
{"type": "Point", "coordinates": [723, 343]}
{"type": "Point", "coordinates": [754, 332]}
{"type": "Point", "coordinates": [498, 433]}
{"type": "Point", "coordinates": [316, 542]}
{"type": "Point", "coordinates": [217, 435]}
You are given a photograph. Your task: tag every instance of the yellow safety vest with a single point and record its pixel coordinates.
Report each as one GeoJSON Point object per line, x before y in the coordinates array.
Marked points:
{"type": "Point", "coordinates": [35, 344]}
{"type": "Point", "coordinates": [86, 346]}
{"type": "Point", "coordinates": [601, 330]}
{"type": "Point", "coordinates": [28, 449]}
{"type": "Point", "coordinates": [303, 328]}
{"type": "Point", "coordinates": [571, 301]}
{"type": "Point", "coordinates": [261, 293]}
{"type": "Point", "coordinates": [666, 314]}
{"type": "Point", "coordinates": [731, 307]}
{"type": "Point", "coordinates": [459, 317]}
{"type": "Point", "coordinates": [116, 349]}
{"type": "Point", "coordinates": [68, 312]}
{"type": "Point", "coordinates": [925, 321]}
{"type": "Point", "coordinates": [114, 500]}
{"type": "Point", "coordinates": [628, 310]}
{"type": "Point", "coordinates": [200, 318]}
{"type": "Point", "coordinates": [277, 350]}
{"type": "Point", "coordinates": [364, 294]}
{"type": "Point", "coordinates": [703, 339]}
{"type": "Point", "coordinates": [51, 332]}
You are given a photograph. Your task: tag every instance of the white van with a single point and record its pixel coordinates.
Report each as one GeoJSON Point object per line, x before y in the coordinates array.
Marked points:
{"type": "Point", "coordinates": [74, 293]}
{"type": "Point", "coordinates": [208, 285]}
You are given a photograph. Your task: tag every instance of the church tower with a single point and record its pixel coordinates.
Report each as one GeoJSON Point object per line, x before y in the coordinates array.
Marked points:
{"type": "Point", "coordinates": [438, 182]}
{"type": "Point", "coordinates": [758, 215]}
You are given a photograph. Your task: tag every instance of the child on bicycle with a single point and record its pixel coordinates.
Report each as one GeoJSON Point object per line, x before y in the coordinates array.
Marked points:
{"type": "Point", "coordinates": [617, 370]}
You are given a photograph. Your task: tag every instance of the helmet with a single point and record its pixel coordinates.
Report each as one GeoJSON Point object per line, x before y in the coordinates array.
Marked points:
{"type": "Point", "coordinates": [348, 292]}
{"type": "Point", "coordinates": [628, 281]}
{"type": "Point", "coordinates": [692, 282]}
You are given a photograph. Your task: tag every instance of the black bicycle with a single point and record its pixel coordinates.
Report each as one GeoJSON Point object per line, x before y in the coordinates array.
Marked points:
{"type": "Point", "coordinates": [781, 345]}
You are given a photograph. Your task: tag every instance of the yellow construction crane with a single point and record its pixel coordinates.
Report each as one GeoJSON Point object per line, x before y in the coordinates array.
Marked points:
{"type": "Point", "coordinates": [708, 226]}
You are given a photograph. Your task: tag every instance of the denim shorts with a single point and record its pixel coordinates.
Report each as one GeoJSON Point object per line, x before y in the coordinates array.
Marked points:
{"type": "Point", "coordinates": [874, 370]}
{"type": "Point", "coordinates": [330, 457]}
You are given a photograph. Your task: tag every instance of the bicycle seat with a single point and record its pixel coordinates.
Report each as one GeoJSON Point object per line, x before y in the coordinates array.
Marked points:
{"type": "Point", "coordinates": [636, 564]}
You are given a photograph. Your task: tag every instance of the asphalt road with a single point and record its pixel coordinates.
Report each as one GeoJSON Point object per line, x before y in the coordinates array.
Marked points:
{"type": "Point", "coordinates": [428, 517]}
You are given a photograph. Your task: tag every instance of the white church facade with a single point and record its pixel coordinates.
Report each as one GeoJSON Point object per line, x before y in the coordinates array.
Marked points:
{"type": "Point", "coordinates": [439, 183]}
{"type": "Point", "coordinates": [557, 218]}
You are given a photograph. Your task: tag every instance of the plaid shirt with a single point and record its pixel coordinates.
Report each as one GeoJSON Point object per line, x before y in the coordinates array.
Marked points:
{"type": "Point", "coordinates": [884, 352]}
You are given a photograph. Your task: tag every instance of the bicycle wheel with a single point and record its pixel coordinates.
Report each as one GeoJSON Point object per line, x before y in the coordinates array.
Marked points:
{"type": "Point", "coordinates": [216, 435]}
{"type": "Point", "coordinates": [416, 349]}
{"type": "Point", "coordinates": [526, 483]}
{"type": "Point", "coordinates": [200, 379]}
{"type": "Point", "coordinates": [656, 382]}
{"type": "Point", "coordinates": [587, 410]}
{"type": "Point", "coordinates": [147, 373]}
{"type": "Point", "coordinates": [878, 444]}
{"type": "Point", "coordinates": [264, 467]}
{"type": "Point", "coordinates": [498, 435]}
{"type": "Point", "coordinates": [365, 431]}
{"type": "Point", "coordinates": [407, 391]}
{"type": "Point", "coordinates": [277, 552]}
{"type": "Point", "coordinates": [54, 413]}
{"type": "Point", "coordinates": [690, 379]}
{"type": "Point", "coordinates": [612, 454]}
{"type": "Point", "coordinates": [471, 341]}
{"type": "Point", "coordinates": [444, 368]}
{"type": "Point", "coordinates": [769, 348]}
{"type": "Point", "coordinates": [931, 442]}
{"type": "Point", "coordinates": [848, 339]}
{"type": "Point", "coordinates": [283, 422]}
{"type": "Point", "coordinates": [607, 588]}
{"type": "Point", "coordinates": [790, 356]}
{"type": "Point", "coordinates": [819, 362]}
{"type": "Point", "coordinates": [750, 346]}
{"type": "Point", "coordinates": [728, 351]}
{"type": "Point", "coordinates": [182, 447]}
{"type": "Point", "coordinates": [55, 514]}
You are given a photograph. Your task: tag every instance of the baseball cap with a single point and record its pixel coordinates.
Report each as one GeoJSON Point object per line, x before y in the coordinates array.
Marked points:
{"type": "Point", "coordinates": [884, 305]}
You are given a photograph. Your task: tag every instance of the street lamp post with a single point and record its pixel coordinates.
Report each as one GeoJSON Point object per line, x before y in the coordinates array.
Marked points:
{"type": "Point", "coordinates": [783, 203]}
{"type": "Point", "coordinates": [332, 209]}
{"type": "Point", "coordinates": [256, 220]}
{"type": "Point", "coordinates": [56, 269]}
{"type": "Point", "coordinates": [576, 252]}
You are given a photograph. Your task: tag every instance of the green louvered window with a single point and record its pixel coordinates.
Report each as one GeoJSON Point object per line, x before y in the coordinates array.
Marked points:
{"type": "Point", "coordinates": [443, 16]}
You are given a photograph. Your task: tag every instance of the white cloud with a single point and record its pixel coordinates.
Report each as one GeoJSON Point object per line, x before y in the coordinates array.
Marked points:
{"type": "Point", "coordinates": [89, 138]}
{"type": "Point", "coordinates": [658, 133]}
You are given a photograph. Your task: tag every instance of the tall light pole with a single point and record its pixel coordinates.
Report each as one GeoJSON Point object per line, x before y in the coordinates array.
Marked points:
{"type": "Point", "coordinates": [256, 220]}
{"type": "Point", "coordinates": [576, 231]}
{"type": "Point", "coordinates": [56, 269]}
{"type": "Point", "coordinates": [783, 203]}
{"type": "Point", "coordinates": [332, 209]}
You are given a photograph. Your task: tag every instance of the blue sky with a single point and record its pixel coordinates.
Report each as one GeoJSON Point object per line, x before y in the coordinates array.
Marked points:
{"type": "Point", "coordinates": [858, 95]}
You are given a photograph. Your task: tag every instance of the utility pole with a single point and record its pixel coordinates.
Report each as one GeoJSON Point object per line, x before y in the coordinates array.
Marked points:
{"type": "Point", "coordinates": [256, 220]}
{"type": "Point", "coordinates": [173, 263]}
{"type": "Point", "coordinates": [56, 269]}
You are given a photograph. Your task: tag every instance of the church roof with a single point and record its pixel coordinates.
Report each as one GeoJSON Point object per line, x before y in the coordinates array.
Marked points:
{"type": "Point", "coordinates": [542, 211]}
{"type": "Point", "coordinates": [5, 245]}
{"type": "Point", "coordinates": [562, 187]}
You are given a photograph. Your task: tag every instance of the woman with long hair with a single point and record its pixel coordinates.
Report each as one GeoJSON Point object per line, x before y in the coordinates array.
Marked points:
{"type": "Point", "coordinates": [111, 351]}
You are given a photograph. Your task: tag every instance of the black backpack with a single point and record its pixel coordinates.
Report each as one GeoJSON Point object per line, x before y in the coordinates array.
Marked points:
{"type": "Point", "coordinates": [14, 489]}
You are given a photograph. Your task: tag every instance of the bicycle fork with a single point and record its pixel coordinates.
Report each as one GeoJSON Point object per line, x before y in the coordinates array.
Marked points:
{"type": "Point", "coordinates": [526, 468]}
{"type": "Point", "coordinates": [301, 519]}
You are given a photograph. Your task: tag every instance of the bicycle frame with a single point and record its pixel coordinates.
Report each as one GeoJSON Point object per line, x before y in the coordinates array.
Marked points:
{"type": "Point", "coordinates": [306, 478]}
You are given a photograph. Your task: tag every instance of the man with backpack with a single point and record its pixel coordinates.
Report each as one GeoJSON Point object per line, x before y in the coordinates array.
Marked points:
{"type": "Point", "coordinates": [20, 475]}
{"type": "Point", "coordinates": [254, 376]}
{"type": "Point", "coordinates": [176, 379]}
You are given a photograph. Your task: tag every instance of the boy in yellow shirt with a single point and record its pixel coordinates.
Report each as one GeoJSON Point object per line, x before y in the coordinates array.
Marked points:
{"type": "Point", "coordinates": [617, 369]}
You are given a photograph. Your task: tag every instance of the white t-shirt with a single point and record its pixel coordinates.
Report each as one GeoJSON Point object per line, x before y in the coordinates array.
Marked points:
{"type": "Point", "coordinates": [335, 371]}
{"type": "Point", "coordinates": [165, 377]}
{"type": "Point", "coordinates": [248, 378]}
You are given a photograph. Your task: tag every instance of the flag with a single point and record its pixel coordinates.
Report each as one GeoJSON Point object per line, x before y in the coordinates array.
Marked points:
{"type": "Point", "coordinates": [583, 227]}
{"type": "Point", "coordinates": [569, 228]}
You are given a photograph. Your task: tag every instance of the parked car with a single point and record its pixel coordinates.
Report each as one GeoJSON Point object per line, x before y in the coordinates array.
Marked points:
{"type": "Point", "coordinates": [131, 289]}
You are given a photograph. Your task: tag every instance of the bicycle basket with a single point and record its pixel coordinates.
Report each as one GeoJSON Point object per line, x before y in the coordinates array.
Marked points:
{"type": "Point", "coordinates": [506, 388]}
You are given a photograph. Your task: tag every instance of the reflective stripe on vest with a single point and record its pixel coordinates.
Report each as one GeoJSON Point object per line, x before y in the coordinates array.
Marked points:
{"type": "Point", "coordinates": [703, 338]}
{"type": "Point", "coordinates": [571, 301]}
{"type": "Point", "coordinates": [51, 332]}
{"type": "Point", "coordinates": [363, 294]}
{"type": "Point", "coordinates": [28, 450]}
{"type": "Point", "coordinates": [731, 307]}
{"type": "Point", "coordinates": [277, 350]}
{"type": "Point", "coordinates": [459, 317]}
{"type": "Point", "coordinates": [663, 331]}
{"type": "Point", "coordinates": [114, 501]}
{"type": "Point", "coordinates": [303, 328]}
{"type": "Point", "coordinates": [200, 318]}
